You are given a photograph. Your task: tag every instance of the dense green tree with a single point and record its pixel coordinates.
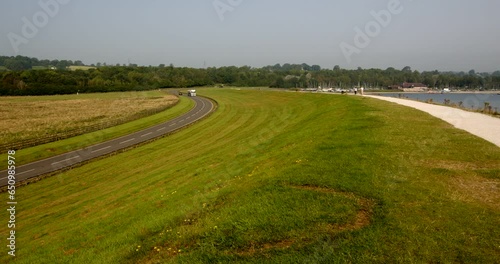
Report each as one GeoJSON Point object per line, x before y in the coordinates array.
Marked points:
{"type": "Point", "coordinates": [21, 80]}
{"type": "Point", "coordinates": [407, 69]}
{"type": "Point", "coordinates": [316, 68]}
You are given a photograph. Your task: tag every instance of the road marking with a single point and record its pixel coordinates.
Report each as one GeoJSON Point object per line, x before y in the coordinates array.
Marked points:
{"type": "Point", "coordinates": [101, 149]}
{"type": "Point", "coordinates": [147, 134]}
{"type": "Point", "coordinates": [172, 124]}
{"type": "Point", "coordinates": [25, 172]}
{"type": "Point", "coordinates": [126, 141]}
{"type": "Point", "coordinates": [20, 173]}
{"type": "Point", "coordinates": [66, 160]}
{"type": "Point", "coordinates": [161, 129]}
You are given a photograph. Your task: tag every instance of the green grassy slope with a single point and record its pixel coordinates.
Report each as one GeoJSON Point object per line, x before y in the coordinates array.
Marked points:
{"type": "Point", "coordinates": [276, 177]}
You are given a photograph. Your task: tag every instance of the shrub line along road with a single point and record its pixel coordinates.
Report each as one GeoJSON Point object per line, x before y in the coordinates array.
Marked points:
{"type": "Point", "coordinates": [202, 108]}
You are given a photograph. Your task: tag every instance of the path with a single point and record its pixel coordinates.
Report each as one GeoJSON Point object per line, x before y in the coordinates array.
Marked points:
{"type": "Point", "coordinates": [484, 126]}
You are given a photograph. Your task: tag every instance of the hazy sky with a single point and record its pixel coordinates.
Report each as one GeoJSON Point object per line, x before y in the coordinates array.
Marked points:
{"type": "Point", "coordinates": [424, 34]}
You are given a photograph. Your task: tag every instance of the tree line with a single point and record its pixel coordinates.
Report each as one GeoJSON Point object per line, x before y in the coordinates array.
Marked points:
{"type": "Point", "coordinates": [29, 76]}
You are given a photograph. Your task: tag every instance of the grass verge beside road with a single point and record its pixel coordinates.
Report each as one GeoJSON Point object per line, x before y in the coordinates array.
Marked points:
{"type": "Point", "coordinates": [276, 177]}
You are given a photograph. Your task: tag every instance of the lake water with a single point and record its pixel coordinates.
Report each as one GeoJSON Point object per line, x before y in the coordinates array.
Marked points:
{"type": "Point", "coordinates": [469, 100]}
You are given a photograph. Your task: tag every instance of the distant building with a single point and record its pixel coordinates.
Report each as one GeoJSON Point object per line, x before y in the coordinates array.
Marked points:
{"type": "Point", "coordinates": [410, 87]}
{"type": "Point", "coordinates": [413, 85]}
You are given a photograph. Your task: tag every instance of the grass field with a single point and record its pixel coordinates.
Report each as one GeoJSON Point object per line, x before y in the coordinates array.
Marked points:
{"type": "Point", "coordinates": [74, 143]}
{"type": "Point", "coordinates": [40, 68]}
{"type": "Point", "coordinates": [41, 119]}
{"type": "Point", "coordinates": [275, 177]}
{"type": "Point", "coordinates": [83, 68]}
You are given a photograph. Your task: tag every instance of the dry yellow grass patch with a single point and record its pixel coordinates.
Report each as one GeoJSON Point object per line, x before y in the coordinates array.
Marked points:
{"type": "Point", "coordinates": [467, 184]}
{"type": "Point", "coordinates": [27, 121]}
{"type": "Point", "coordinates": [477, 190]}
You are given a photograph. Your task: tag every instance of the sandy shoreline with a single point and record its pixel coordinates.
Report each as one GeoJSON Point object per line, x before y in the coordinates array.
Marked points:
{"type": "Point", "coordinates": [483, 126]}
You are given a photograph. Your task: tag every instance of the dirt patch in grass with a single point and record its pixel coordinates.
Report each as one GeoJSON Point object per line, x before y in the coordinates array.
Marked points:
{"type": "Point", "coordinates": [256, 249]}
{"type": "Point", "coordinates": [361, 220]}
{"type": "Point", "coordinates": [363, 215]}
{"type": "Point", "coordinates": [69, 252]}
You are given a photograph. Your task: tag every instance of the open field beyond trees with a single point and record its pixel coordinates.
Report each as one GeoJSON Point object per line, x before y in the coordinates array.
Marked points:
{"type": "Point", "coordinates": [276, 177]}
{"type": "Point", "coordinates": [29, 121]}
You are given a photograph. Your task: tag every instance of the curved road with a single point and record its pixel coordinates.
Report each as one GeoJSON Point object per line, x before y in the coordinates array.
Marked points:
{"type": "Point", "coordinates": [202, 108]}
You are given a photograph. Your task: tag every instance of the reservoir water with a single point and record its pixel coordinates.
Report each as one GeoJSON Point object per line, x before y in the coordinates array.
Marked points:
{"type": "Point", "coordinates": [467, 100]}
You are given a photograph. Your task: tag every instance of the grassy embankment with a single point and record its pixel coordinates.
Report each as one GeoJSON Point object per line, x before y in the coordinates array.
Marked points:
{"type": "Point", "coordinates": [276, 178]}
{"type": "Point", "coordinates": [105, 107]}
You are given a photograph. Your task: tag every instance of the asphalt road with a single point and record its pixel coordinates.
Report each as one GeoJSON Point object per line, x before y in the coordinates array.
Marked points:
{"type": "Point", "coordinates": [202, 108]}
